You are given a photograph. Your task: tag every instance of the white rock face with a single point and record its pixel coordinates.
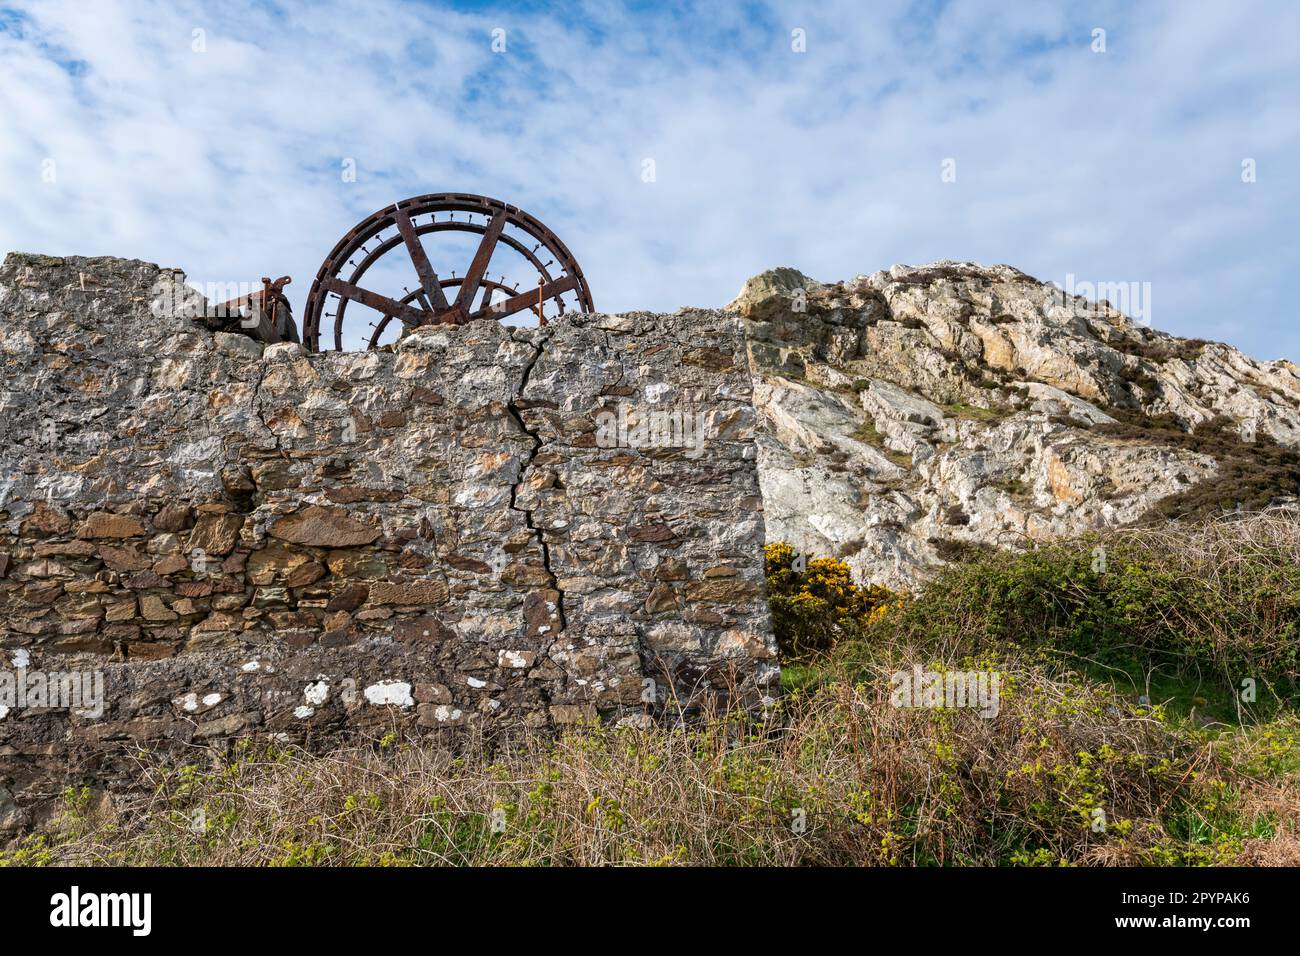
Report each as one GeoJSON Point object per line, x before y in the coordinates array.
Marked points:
{"type": "Point", "coordinates": [910, 412]}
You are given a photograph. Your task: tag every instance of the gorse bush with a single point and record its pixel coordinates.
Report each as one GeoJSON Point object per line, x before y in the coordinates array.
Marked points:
{"type": "Point", "coordinates": [813, 607]}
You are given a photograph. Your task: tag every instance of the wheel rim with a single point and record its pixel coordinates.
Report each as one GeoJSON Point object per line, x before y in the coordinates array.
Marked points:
{"type": "Point", "coordinates": [394, 236]}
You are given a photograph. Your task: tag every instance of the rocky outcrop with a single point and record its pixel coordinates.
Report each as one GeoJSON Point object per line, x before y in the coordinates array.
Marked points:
{"type": "Point", "coordinates": [916, 411]}
{"type": "Point", "coordinates": [451, 534]}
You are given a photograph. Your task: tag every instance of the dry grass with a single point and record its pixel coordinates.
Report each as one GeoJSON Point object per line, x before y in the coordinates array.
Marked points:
{"type": "Point", "coordinates": [1271, 536]}
{"type": "Point", "coordinates": [841, 778]}
{"type": "Point", "coordinates": [1234, 589]}
{"type": "Point", "coordinates": [1070, 771]}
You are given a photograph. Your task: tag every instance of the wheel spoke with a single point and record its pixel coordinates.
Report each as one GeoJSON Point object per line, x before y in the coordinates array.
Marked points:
{"type": "Point", "coordinates": [469, 287]}
{"type": "Point", "coordinates": [380, 303]}
{"type": "Point", "coordinates": [525, 300]}
{"type": "Point", "coordinates": [403, 230]}
{"type": "Point", "coordinates": [420, 259]}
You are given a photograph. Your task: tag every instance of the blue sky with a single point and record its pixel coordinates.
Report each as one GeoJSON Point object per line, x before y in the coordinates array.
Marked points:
{"type": "Point", "coordinates": [1115, 166]}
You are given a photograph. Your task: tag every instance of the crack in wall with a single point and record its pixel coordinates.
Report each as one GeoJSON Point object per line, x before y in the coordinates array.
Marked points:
{"type": "Point", "coordinates": [515, 412]}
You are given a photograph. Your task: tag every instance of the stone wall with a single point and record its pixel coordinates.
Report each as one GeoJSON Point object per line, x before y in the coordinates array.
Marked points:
{"type": "Point", "coordinates": [238, 539]}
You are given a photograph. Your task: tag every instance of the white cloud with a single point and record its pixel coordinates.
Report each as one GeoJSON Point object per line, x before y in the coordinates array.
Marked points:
{"type": "Point", "coordinates": [1121, 166]}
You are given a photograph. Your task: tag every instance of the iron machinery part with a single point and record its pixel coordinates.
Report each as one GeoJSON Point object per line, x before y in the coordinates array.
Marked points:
{"type": "Point", "coordinates": [266, 315]}
{"type": "Point", "coordinates": [398, 229]}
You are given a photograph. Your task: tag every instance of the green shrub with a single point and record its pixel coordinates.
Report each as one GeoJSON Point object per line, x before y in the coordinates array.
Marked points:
{"type": "Point", "coordinates": [1134, 601]}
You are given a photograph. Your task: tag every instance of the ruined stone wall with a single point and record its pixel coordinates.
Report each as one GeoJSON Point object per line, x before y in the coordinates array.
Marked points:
{"type": "Point", "coordinates": [239, 539]}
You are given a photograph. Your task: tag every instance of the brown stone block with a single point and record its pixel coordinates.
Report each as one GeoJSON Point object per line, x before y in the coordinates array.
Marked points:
{"type": "Point", "coordinates": [102, 524]}
{"type": "Point", "coordinates": [82, 644]}
{"type": "Point", "coordinates": [42, 594]}
{"type": "Point", "coordinates": [265, 565]}
{"type": "Point", "coordinates": [652, 533]}
{"type": "Point", "coordinates": [121, 632]}
{"type": "Point", "coordinates": [46, 519]}
{"type": "Point", "coordinates": [337, 620]}
{"type": "Point", "coordinates": [149, 651]}
{"type": "Point", "coordinates": [700, 616]}
{"type": "Point", "coordinates": [421, 593]}
{"type": "Point", "coordinates": [348, 599]}
{"type": "Point", "coordinates": [220, 621]}
{"type": "Point", "coordinates": [276, 475]}
{"type": "Point", "coordinates": [526, 574]}
{"type": "Point", "coordinates": [309, 572]}
{"type": "Point", "coordinates": [357, 564]}
{"type": "Point", "coordinates": [413, 560]}
{"type": "Point", "coordinates": [462, 563]}
{"type": "Point", "coordinates": [663, 597]}
{"type": "Point", "coordinates": [80, 625]}
{"type": "Point", "coordinates": [712, 359]}
{"type": "Point", "coordinates": [79, 605]}
{"type": "Point", "coordinates": [76, 548]}
{"type": "Point", "coordinates": [290, 620]}
{"type": "Point", "coordinates": [520, 541]}
{"type": "Point", "coordinates": [324, 527]}
{"type": "Point", "coordinates": [215, 534]}
{"type": "Point", "coordinates": [171, 564]}
{"type": "Point", "coordinates": [172, 517]}
{"type": "Point", "coordinates": [432, 694]}
{"type": "Point", "coordinates": [416, 629]}
{"type": "Point", "coordinates": [144, 580]}
{"type": "Point", "coordinates": [671, 569]}
{"type": "Point", "coordinates": [542, 613]}
{"type": "Point", "coordinates": [152, 608]}
{"type": "Point", "coordinates": [86, 586]}
{"type": "Point", "coordinates": [426, 396]}
{"type": "Point", "coordinates": [122, 560]}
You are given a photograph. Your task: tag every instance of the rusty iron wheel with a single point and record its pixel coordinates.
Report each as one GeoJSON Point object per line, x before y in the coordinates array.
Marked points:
{"type": "Point", "coordinates": [559, 285]}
